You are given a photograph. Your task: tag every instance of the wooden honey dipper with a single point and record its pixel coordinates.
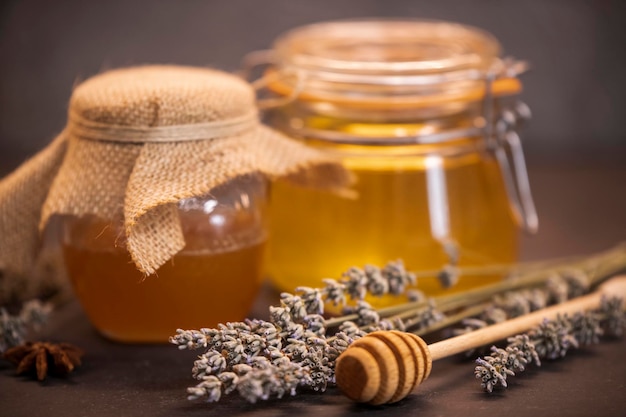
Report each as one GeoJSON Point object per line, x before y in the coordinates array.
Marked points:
{"type": "Point", "coordinates": [385, 366]}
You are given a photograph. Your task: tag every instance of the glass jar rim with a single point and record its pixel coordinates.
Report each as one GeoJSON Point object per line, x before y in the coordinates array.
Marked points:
{"type": "Point", "coordinates": [384, 51]}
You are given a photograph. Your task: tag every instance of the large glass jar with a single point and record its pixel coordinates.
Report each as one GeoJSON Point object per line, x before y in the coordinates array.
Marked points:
{"type": "Point", "coordinates": [424, 114]}
{"type": "Point", "coordinates": [215, 278]}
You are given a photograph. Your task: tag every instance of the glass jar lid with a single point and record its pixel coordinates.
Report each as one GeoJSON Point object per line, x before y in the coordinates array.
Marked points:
{"type": "Point", "coordinates": [412, 61]}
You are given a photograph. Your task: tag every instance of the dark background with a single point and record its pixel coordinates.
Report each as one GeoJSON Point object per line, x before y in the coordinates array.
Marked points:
{"type": "Point", "coordinates": [577, 49]}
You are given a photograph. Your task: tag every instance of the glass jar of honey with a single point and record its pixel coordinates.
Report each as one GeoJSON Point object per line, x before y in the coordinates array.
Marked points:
{"type": "Point", "coordinates": [425, 115]}
{"type": "Point", "coordinates": [213, 279]}
{"type": "Point", "coordinates": [159, 183]}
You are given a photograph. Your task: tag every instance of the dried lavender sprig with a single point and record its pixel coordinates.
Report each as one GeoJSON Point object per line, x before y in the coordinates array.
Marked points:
{"type": "Point", "coordinates": [558, 289]}
{"type": "Point", "coordinates": [13, 328]}
{"type": "Point", "coordinates": [559, 274]}
{"type": "Point", "coordinates": [308, 362]}
{"type": "Point", "coordinates": [614, 322]}
{"type": "Point", "coordinates": [259, 381]}
{"type": "Point", "coordinates": [425, 316]}
{"type": "Point", "coordinates": [294, 335]}
{"type": "Point", "coordinates": [502, 307]}
{"type": "Point", "coordinates": [552, 339]}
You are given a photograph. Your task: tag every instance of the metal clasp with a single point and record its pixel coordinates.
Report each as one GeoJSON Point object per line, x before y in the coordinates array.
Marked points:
{"type": "Point", "coordinates": [504, 141]}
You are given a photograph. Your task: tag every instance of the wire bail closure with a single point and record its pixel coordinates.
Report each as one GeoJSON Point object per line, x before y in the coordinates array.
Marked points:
{"type": "Point", "coordinates": [504, 141]}
{"type": "Point", "coordinates": [257, 59]}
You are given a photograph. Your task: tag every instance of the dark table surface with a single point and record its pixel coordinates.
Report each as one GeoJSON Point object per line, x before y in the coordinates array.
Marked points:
{"type": "Point", "coordinates": [582, 206]}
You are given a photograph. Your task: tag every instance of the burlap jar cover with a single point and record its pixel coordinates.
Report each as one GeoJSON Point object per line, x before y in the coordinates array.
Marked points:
{"type": "Point", "coordinates": [139, 140]}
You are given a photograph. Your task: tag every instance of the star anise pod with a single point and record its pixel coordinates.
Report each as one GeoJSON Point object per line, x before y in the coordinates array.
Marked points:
{"type": "Point", "coordinates": [59, 359]}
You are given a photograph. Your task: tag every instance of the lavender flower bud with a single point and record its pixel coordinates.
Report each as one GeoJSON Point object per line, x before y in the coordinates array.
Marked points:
{"type": "Point", "coordinates": [398, 277]}
{"type": "Point", "coordinates": [335, 291]}
{"type": "Point", "coordinates": [355, 283]}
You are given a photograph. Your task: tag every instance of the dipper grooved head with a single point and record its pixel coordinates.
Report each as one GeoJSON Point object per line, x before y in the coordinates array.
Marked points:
{"type": "Point", "coordinates": [383, 367]}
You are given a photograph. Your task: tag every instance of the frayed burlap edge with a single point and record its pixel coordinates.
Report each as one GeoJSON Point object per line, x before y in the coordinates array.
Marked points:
{"type": "Point", "coordinates": [22, 194]}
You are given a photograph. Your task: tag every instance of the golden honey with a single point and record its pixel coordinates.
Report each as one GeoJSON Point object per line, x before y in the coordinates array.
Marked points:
{"type": "Point", "coordinates": [316, 234]}
{"type": "Point", "coordinates": [193, 291]}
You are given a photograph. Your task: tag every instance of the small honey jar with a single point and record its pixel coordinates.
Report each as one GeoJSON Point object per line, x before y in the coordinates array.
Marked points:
{"type": "Point", "coordinates": [425, 115]}
{"type": "Point", "coordinates": [153, 239]}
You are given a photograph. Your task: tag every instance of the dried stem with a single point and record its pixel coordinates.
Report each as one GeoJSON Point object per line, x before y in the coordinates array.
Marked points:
{"type": "Point", "coordinates": [523, 276]}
